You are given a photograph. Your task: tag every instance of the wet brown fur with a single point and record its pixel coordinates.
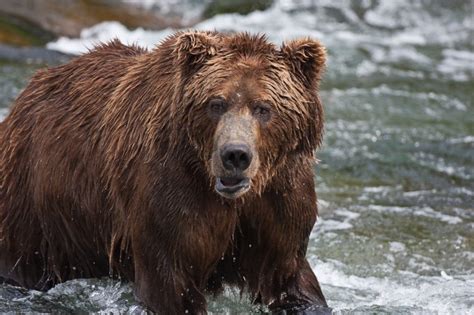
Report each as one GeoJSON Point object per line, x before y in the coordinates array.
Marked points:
{"type": "Point", "coordinates": [106, 169]}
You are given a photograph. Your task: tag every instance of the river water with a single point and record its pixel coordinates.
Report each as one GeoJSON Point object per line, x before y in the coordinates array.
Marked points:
{"type": "Point", "coordinates": [396, 173]}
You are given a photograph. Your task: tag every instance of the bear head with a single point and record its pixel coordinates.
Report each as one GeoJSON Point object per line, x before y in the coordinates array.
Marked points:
{"type": "Point", "coordinates": [248, 106]}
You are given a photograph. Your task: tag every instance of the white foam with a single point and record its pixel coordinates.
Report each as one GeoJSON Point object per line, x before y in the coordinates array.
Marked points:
{"type": "Point", "coordinates": [332, 225]}
{"type": "Point", "coordinates": [391, 209]}
{"type": "Point", "coordinates": [428, 212]}
{"type": "Point", "coordinates": [417, 211]}
{"type": "Point", "coordinates": [397, 247]}
{"type": "Point", "coordinates": [380, 189]}
{"type": "Point", "coordinates": [408, 19]}
{"type": "Point", "coordinates": [446, 276]}
{"type": "Point", "coordinates": [417, 193]}
{"type": "Point", "coordinates": [348, 214]}
{"type": "Point", "coordinates": [322, 204]}
{"type": "Point", "coordinates": [105, 32]}
{"type": "Point", "coordinates": [442, 166]}
{"type": "Point", "coordinates": [148, 4]}
{"type": "Point", "coordinates": [388, 14]}
{"type": "Point", "coordinates": [458, 64]}
{"type": "Point", "coordinates": [407, 37]}
{"type": "Point", "coordinates": [444, 294]}
{"type": "Point", "coordinates": [290, 25]}
{"type": "Point", "coordinates": [462, 191]}
{"type": "Point", "coordinates": [459, 54]}
{"type": "Point", "coordinates": [341, 222]}
{"type": "Point", "coordinates": [446, 102]}
{"type": "Point", "coordinates": [466, 139]}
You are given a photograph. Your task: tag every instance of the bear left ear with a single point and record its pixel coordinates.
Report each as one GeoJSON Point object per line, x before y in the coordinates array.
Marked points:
{"type": "Point", "coordinates": [306, 58]}
{"type": "Point", "coordinates": [194, 48]}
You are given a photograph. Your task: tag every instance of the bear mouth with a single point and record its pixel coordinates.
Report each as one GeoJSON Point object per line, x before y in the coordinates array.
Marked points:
{"type": "Point", "coordinates": [232, 187]}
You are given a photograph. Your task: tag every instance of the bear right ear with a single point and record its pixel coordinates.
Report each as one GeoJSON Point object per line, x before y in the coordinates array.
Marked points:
{"type": "Point", "coordinates": [306, 58]}
{"type": "Point", "coordinates": [194, 48]}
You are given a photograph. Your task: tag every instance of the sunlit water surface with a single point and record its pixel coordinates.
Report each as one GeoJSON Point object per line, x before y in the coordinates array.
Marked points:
{"type": "Point", "coordinates": [396, 176]}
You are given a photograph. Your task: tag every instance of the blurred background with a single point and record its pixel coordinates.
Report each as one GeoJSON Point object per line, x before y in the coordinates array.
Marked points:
{"type": "Point", "coordinates": [396, 173]}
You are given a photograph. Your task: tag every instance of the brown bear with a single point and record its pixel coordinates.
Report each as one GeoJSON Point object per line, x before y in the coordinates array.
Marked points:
{"type": "Point", "coordinates": [182, 169]}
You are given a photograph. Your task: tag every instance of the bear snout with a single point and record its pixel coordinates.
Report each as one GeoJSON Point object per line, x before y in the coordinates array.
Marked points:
{"type": "Point", "coordinates": [235, 160]}
{"type": "Point", "coordinates": [236, 157]}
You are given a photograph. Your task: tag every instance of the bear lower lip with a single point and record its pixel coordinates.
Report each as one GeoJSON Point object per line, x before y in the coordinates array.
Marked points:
{"type": "Point", "coordinates": [230, 181]}
{"type": "Point", "coordinates": [230, 185]}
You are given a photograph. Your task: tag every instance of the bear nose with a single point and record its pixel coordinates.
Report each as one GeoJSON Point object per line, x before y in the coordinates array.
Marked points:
{"type": "Point", "coordinates": [236, 157]}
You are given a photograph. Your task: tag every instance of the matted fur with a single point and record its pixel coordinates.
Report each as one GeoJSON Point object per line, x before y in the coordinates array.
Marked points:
{"type": "Point", "coordinates": [106, 169]}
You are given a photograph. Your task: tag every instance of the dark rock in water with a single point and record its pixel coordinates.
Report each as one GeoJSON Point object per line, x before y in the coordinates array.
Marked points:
{"type": "Point", "coordinates": [34, 23]}
{"type": "Point", "coordinates": [303, 310]}
{"type": "Point", "coordinates": [20, 32]}
{"type": "Point", "coordinates": [32, 55]}
{"type": "Point", "coordinates": [235, 6]}
{"type": "Point", "coordinates": [69, 17]}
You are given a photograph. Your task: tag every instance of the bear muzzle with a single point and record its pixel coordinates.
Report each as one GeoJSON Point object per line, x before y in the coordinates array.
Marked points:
{"type": "Point", "coordinates": [234, 159]}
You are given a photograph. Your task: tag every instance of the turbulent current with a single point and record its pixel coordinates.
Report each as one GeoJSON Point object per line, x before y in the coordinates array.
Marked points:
{"type": "Point", "coordinates": [396, 174]}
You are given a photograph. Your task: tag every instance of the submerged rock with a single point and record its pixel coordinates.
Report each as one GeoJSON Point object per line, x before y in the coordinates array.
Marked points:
{"type": "Point", "coordinates": [69, 17]}
{"type": "Point", "coordinates": [32, 55]}
{"type": "Point", "coordinates": [235, 6]}
{"type": "Point", "coordinates": [21, 32]}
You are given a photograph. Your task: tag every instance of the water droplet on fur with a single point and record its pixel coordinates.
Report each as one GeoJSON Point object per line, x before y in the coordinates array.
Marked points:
{"type": "Point", "coordinates": [250, 245]}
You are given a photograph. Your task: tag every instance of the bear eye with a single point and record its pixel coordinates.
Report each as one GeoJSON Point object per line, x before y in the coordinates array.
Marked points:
{"type": "Point", "coordinates": [262, 111]}
{"type": "Point", "coordinates": [217, 106]}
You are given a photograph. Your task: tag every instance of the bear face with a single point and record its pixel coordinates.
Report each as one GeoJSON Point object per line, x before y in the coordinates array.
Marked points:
{"type": "Point", "coordinates": [249, 105]}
